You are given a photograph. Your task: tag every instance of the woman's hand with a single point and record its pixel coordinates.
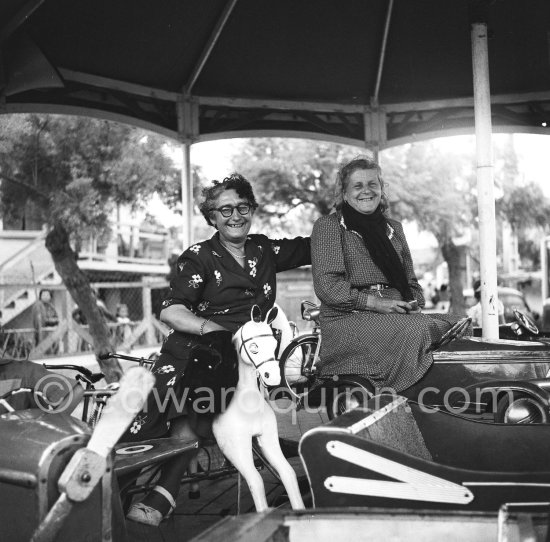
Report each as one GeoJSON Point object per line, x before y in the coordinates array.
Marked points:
{"type": "Point", "coordinates": [384, 305]}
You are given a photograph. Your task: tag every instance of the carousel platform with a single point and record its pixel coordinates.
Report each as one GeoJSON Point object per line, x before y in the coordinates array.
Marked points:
{"type": "Point", "coordinates": [219, 498]}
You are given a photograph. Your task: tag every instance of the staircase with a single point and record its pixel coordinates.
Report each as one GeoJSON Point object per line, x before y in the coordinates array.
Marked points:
{"type": "Point", "coordinates": [22, 275]}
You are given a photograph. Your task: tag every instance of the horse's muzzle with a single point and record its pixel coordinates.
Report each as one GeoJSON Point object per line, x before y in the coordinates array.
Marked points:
{"type": "Point", "coordinates": [270, 373]}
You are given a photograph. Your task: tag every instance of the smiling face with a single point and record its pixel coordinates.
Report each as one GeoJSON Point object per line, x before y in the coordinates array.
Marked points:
{"type": "Point", "coordinates": [363, 190]}
{"type": "Point", "coordinates": [235, 228]}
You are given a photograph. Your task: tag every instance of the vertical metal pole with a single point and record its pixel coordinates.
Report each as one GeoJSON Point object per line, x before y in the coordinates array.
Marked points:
{"type": "Point", "coordinates": [544, 268]}
{"type": "Point", "coordinates": [375, 149]}
{"type": "Point", "coordinates": [485, 183]}
{"type": "Point", "coordinates": [186, 196]}
{"type": "Point", "coordinates": [147, 307]}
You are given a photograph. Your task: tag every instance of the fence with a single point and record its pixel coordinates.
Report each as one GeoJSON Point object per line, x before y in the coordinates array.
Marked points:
{"type": "Point", "coordinates": [131, 311]}
{"type": "Point", "coordinates": [129, 308]}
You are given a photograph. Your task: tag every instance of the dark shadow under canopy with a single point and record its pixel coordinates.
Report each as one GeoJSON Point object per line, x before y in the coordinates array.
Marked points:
{"type": "Point", "coordinates": [320, 68]}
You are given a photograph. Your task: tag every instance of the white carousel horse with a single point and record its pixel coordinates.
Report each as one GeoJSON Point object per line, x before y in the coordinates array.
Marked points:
{"type": "Point", "coordinates": [250, 415]}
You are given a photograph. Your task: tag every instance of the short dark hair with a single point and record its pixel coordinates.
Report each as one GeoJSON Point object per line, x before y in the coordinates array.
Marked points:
{"type": "Point", "coordinates": [345, 172]}
{"type": "Point", "coordinates": [236, 182]}
{"type": "Point", "coordinates": [44, 290]}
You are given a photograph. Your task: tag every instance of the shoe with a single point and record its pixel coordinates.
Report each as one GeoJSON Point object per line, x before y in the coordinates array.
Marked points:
{"type": "Point", "coordinates": [147, 515]}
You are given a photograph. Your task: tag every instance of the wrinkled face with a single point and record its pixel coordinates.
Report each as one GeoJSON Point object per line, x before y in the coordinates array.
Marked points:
{"type": "Point", "coordinates": [235, 228]}
{"type": "Point", "coordinates": [363, 190]}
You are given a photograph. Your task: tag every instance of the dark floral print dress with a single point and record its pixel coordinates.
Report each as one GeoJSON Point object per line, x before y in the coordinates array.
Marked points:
{"type": "Point", "coordinates": [211, 284]}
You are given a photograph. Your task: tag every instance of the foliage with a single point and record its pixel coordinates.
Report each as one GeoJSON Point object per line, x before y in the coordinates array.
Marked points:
{"type": "Point", "coordinates": [435, 189]}
{"type": "Point", "coordinates": [293, 179]}
{"type": "Point", "coordinates": [73, 170]}
{"type": "Point", "coordinates": [525, 207]}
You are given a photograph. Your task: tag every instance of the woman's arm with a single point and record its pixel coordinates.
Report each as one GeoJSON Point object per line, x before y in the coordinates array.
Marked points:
{"type": "Point", "coordinates": [329, 274]}
{"type": "Point", "coordinates": [186, 290]}
{"type": "Point", "coordinates": [329, 271]}
{"type": "Point", "coordinates": [180, 318]}
{"type": "Point", "coordinates": [291, 253]}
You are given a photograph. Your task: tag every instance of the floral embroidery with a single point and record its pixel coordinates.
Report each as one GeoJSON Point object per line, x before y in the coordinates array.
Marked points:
{"type": "Point", "coordinates": [216, 254]}
{"type": "Point", "coordinates": [252, 263]}
{"type": "Point", "coordinates": [267, 290]}
{"type": "Point", "coordinates": [276, 248]}
{"type": "Point", "coordinates": [249, 292]}
{"type": "Point", "coordinates": [195, 281]}
{"type": "Point", "coordinates": [171, 382]}
{"type": "Point", "coordinates": [165, 369]}
{"type": "Point", "coordinates": [137, 424]}
{"type": "Point", "coordinates": [181, 265]}
{"type": "Point", "coordinates": [203, 305]}
{"type": "Point", "coordinates": [165, 303]}
{"type": "Point", "coordinates": [222, 312]}
{"type": "Point", "coordinates": [390, 229]}
{"type": "Point", "coordinates": [218, 276]}
{"type": "Point", "coordinates": [195, 249]}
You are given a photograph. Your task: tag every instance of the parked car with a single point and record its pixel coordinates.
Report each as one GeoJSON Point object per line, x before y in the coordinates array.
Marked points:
{"type": "Point", "coordinates": [510, 298]}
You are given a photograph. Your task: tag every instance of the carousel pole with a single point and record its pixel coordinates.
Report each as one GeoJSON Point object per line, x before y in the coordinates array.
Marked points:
{"type": "Point", "coordinates": [485, 181]}
{"type": "Point", "coordinates": [186, 196]}
{"type": "Point", "coordinates": [185, 133]}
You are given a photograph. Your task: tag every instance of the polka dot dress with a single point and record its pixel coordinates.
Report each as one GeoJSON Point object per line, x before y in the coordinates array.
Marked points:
{"type": "Point", "coordinates": [389, 349]}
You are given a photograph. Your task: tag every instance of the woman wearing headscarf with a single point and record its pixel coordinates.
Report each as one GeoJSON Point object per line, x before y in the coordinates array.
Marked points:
{"type": "Point", "coordinates": [371, 301]}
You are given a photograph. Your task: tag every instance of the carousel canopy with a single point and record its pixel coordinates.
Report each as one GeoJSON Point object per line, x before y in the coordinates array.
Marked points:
{"type": "Point", "coordinates": [354, 71]}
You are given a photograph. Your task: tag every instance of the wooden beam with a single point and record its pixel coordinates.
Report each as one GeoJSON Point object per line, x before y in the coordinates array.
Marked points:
{"type": "Point", "coordinates": [282, 105]}
{"type": "Point", "coordinates": [88, 111]}
{"type": "Point", "coordinates": [382, 56]}
{"type": "Point", "coordinates": [19, 18]}
{"type": "Point", "coordinates": [209, 47]}
{"type": "Point", "coordinates": [291, 105]}
{"type": "Point", "coordinates": [116, 84]}
{"type": "Point", "coordinates": [466, 102]}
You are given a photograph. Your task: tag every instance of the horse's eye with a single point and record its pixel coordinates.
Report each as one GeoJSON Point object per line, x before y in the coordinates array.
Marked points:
{"type": "Point", "coordinates": [254, 348]}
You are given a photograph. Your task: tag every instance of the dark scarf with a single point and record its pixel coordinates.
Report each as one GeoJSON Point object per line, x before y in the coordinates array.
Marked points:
{"type": "Point", "coordinates": [373, 230]}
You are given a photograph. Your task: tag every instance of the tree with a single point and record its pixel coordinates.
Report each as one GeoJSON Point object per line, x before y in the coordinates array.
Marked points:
{"type": "Point", "coordinates": [293, 179]}
{"type": "Point", "coordinates": [527, 210]}
{"type": "Point", "coordinates": [425, 186]}
{"type": "Point", "coordinates": [72, 171]}
{"type": "Point", "coordinates": [436, 189]}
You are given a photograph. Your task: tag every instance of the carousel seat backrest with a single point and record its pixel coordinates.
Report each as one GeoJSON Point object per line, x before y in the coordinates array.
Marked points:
{"type": "Point", "coordinates": [386, 420]}
{"type": "Point", "coordinates": [394, 426]}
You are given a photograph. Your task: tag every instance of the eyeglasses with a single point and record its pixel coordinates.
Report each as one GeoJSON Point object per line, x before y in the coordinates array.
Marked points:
{"type": "Point", "coordinates": [227, 210]}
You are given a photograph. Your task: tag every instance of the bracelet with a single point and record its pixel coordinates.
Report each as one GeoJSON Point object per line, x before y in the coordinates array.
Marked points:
{"type": "Point", "coordinates": [202, 326]}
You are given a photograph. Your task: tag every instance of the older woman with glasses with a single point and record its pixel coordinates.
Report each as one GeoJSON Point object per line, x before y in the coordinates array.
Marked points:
{"type": "Point", "coordinates": [217, 283]}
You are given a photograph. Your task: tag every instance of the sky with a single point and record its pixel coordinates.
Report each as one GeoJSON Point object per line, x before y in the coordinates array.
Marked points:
{"type": "Point", "coordinates": [533, 151]}
{"type": "Point", "coordinates": [214, 158]}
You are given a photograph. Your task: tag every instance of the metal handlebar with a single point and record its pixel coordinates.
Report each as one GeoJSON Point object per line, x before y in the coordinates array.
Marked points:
{"type": "Point", "coordinates": [142, 361]}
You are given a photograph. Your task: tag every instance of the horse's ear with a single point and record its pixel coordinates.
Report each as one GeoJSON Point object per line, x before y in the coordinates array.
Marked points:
{"type": "Point", "coordinates": [272, 314]}
{"type": "Point", "coordinates": [256, 314]}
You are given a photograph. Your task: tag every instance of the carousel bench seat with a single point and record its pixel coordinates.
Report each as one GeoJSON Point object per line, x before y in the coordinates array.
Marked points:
{"type": "Point", "coordinates": [395, 453]}
{"type": "Point", "coordinates": [133, 456]}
